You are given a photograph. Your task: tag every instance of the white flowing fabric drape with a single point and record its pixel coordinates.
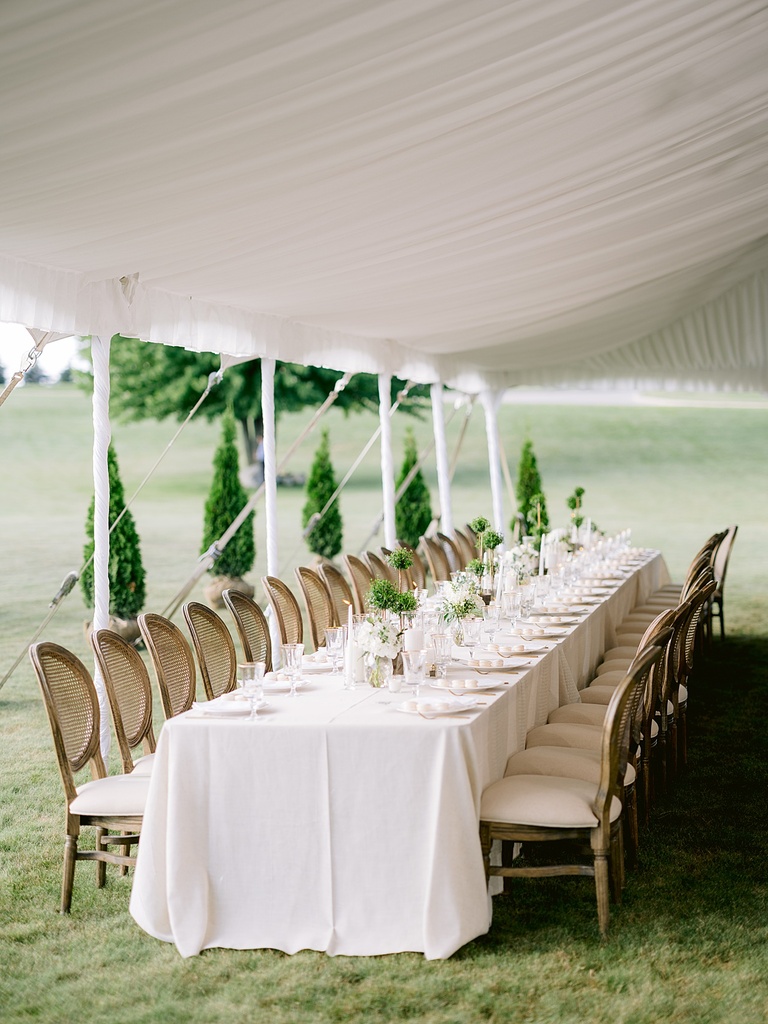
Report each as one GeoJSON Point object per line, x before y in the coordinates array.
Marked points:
{"type": "Point", "coordinates": [387, 464]}
{"type": "Point", "coordinates": [483, 194]}
{"type": "Point", "coordinates": [441, 459]}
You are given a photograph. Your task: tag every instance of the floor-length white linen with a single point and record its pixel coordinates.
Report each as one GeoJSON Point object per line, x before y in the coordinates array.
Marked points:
{"type": "Point", "coordinates": [336, 823]}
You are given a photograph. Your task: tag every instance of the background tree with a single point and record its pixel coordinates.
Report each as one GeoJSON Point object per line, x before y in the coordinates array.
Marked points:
{"type": "Point", "coordinates": [325, 538]}
{"type": "Point", "coordinates": [225, 500]}
{"type": "Point", "coordinates": [35, 375]}
{"type": "Point", "coordinates": [413, 512]}
{"type": "Point", "coordinates": [127, 590]}
{"type": "Point", "coordinates": [529, 491]}
{"type": "Point", "coordinates": [151, 381]}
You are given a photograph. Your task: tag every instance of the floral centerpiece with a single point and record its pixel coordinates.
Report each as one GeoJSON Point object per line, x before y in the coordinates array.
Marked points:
{"type": "Point", "coordinates": [380, 641]}
{"type": "Point", "coordinates": [461, 600]}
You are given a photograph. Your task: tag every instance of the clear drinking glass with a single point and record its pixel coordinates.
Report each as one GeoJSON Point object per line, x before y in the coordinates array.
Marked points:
{"type": "Point", "coordinates": [250, 676]}
{"type": "Point", "coordinates": [414, 665]}
{"type": "Point", "coordinates": [471, 630]}
{"type": "Point", "coordinates": [292, 655]}
{"type": "Point", "coordinates": [335, 639]}
{"type": "Point", "coordinates": [442, 644]}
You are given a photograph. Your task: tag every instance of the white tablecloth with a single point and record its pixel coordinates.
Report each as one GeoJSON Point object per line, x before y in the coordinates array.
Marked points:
{"type": "Point", "coordinates": [337, 823]}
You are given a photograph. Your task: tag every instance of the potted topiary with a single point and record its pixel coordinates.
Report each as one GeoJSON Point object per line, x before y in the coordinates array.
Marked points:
{"type": "Point", "coordinates": [127, 590]}
{"type": "Point", "coordinates": [226, 499]}
{"type": "Point", "coordinates": [325, 537]}
{"type": "Point", "coordinates": [531, 503]}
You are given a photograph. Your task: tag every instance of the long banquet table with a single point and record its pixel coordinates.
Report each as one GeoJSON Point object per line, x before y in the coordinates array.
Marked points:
{"type": "Point", "coordinates": [334, 822]}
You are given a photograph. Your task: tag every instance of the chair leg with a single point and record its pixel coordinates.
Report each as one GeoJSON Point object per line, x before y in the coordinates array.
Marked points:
{"type": "Point", "coordinates": [602, 891]}
{"type": "Point", "coordinates": [68, 877]}
{"type": "Point", "coordinates": [633, 830]}
{"type": "Point", "coordinates": [101, 866]}
{"type": "Point", "coordinates": [682, 739]}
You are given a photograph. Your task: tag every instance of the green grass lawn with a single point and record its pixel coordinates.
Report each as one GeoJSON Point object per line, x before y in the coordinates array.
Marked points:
{"type": "Point", "coordinates": [688, 943]}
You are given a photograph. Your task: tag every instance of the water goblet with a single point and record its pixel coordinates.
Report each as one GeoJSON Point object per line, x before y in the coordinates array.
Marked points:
{"type": "Point", "coordinates": [491, 619]}
{"type": "Point", "coordinates": [250, 676]}
{"type": "Point", "coordinates": [292, 655]}
{"type": "Point", "coordinates": [442, 642]}
{"type": "Point", "coordinates": [471, 629]}
{"type": "Point", "coordinates": [335, 640]}
{"type": "Point", "coordinates": [414, 664]}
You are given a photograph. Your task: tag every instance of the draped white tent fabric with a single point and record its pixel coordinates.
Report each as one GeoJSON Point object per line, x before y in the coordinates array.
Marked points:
{"type": "Point", "coordinates": [483, 194]}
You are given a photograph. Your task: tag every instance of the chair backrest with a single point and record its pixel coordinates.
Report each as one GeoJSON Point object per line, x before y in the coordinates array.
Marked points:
{"type": "Point", "coordinates": [361, 577]}
{"type": "Point", "coordinates": [172, 661]}
{"type": "Point", "coordinates": [453, 555]}
{"type": "Point", "coordinates": [215, 650]}
{"type": "Point", "coordinates": [723, 556]}
{"type": "Point", "coordinates": [379, 568]}
{"type": "Point", "coordinates": [285, 608]}
{"type": "Point", "coordinates": [436, 560]}
{"type": "Point", "coordinates": [72, 706]}
{"type": "Point", "coordinates": [417, 570]}
{"type": "Point", "coordinates": [467, 546]}
{"type": "Point", "coordinates": [698, 600]}
{"type": "Point", "coordinates": [340, 591]}
{"type": "Point", "coordinates": [320, 611]}
{"type": "Point", "coordinates": [252, 627]}
{"type": "Point", "coordinates": [129, 693]}
{"type": "Point", "coordinates": [618, 728]}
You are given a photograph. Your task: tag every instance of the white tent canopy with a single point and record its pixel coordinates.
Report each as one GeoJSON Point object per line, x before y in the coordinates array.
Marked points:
{"type": "Point", "coordinates": [484, 193]}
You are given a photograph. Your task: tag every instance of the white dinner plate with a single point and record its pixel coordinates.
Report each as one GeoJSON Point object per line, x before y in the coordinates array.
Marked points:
{"type": "Point", "coordinates": [225, 709]}
{"type": "Point", "coordinates": [431, 706]}
{"type": "Point", "coordinates": [462, 685]}
{"type": "Point", "coordinates": [498, 664]}
{"type": "Point", "coordinates": [539, 633]}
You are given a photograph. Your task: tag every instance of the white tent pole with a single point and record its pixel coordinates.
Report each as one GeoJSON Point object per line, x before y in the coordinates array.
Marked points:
{"type": "Point", "coordinates": [387, 468]}
{"type": "Point", "coordinates": [101, 439]}
{"type": "Point", "coordinates": [441, 458]}
{"type": "Point", "coordinates": [270, 481]}
{"type": "Point", "coordinates": [491, 401]}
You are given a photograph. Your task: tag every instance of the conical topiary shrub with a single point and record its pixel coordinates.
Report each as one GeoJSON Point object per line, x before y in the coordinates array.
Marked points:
{"type": "Point", "coordinates": [413, 512]}
{"type": "Point", "coordinates": [325, 537]}
{"type": "Point", "coordinates": [127, 590]}
{"type": "Point", "coordinates": [531, 502]}
{"type": "Point", "coordinates": [226, 499]}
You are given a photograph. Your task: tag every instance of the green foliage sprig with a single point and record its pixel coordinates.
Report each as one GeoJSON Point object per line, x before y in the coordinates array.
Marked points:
{"type": "Point", "coordinates": [479, 525]}
{"type": "Point", "coordinates": [574, 504]}
{"type": "Point", "coordinates": [400, 559]}
{"type": "Point", "coordinates": [384, 596]}
{"type": "Point", "coordinates": [325, 538]}
{"type": "Point", "coordinates": [491, 540]}
{"type": "Point", "coordinates": [476, 567]}
{"type": "Point", "coordinates": [127, 589]}
{"type": "Point", "coordinates": [226, 499]}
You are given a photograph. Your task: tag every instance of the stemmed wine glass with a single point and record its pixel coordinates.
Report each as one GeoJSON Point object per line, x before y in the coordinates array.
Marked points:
{"type": "Point", "coordinates": [335, 640]}
{"type": "Point", "coordinates": [292, 655]}
{"type": "Point", "coordinates": [250, 677]}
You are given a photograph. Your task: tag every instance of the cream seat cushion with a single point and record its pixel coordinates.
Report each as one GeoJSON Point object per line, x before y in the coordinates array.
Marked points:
{"type": "Point", "coordinates": [628, 651]}
{"type": "Point", "coordinates": [565, 734]}
{"type": "Point", "coordinates": [117, 794]}
{"type": "Point", "coordinates": [578, 714]}
{"type": "Point", "coordinates": [143, 766]}
{"type": "Point", "coordinates": [543, 800]}
{"type": "Point", "coordinates": [571, 762]}
{"type": "Point", "coordinates": [595, 694]}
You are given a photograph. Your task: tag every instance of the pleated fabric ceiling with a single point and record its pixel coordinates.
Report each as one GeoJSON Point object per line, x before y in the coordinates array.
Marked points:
{"type": "Point", "coordinates": [478, 192]}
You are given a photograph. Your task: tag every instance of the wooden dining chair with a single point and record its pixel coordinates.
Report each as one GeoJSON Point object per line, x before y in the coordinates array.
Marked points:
{"type": "Point", "coordinates": [285, 608]}
{"type": "Point", "coordinates": [720, 567]}
{"type": "Point", "coordinates": [214, 648]}
{"type": "Point", "coordinates": [129, 693]}
{"type": "Point", "coordinates": [544, 809]}
{"type": "Point", "coordinates": [172, 660]}
{"type": "Point", "coordinates": [361, 577]}
{"type": "Point", "coordinates": [317, 600]}
{"type": "Point", "coordinates": [379, 568]}
{"type": "Point", "coordinates": [436, 560]}
{"type": "Point", "coordinates": [107, 803]}
{"type": "Point", "coordinates": [466, 545]}
{"type": "Point", "coordinates": [453, 555]}
{"type": "Point", "coordinates": [252, 627]}
{"type": "Point", "coordinates": [341, 593]}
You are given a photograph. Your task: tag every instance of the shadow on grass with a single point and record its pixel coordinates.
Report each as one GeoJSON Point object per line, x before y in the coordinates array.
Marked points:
{"type": "Point", "coordinates": [702, 859]}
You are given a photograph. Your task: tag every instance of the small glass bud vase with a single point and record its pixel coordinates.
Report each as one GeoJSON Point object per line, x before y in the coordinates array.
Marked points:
{"type": "Point", "coordinates": [378, 670]}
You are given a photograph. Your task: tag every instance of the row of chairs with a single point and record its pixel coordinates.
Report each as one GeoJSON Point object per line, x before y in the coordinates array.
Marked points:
{"type": "Point", "coordinates": [579, 777]}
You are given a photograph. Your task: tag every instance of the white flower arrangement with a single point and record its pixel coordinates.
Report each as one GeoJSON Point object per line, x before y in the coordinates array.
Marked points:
{"type": "Point", "coordinates": [524, 558]}
{"type": "Point", "coordinates": [379, 638]}
{"type": "Point", "coordinates": [461, 599]}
